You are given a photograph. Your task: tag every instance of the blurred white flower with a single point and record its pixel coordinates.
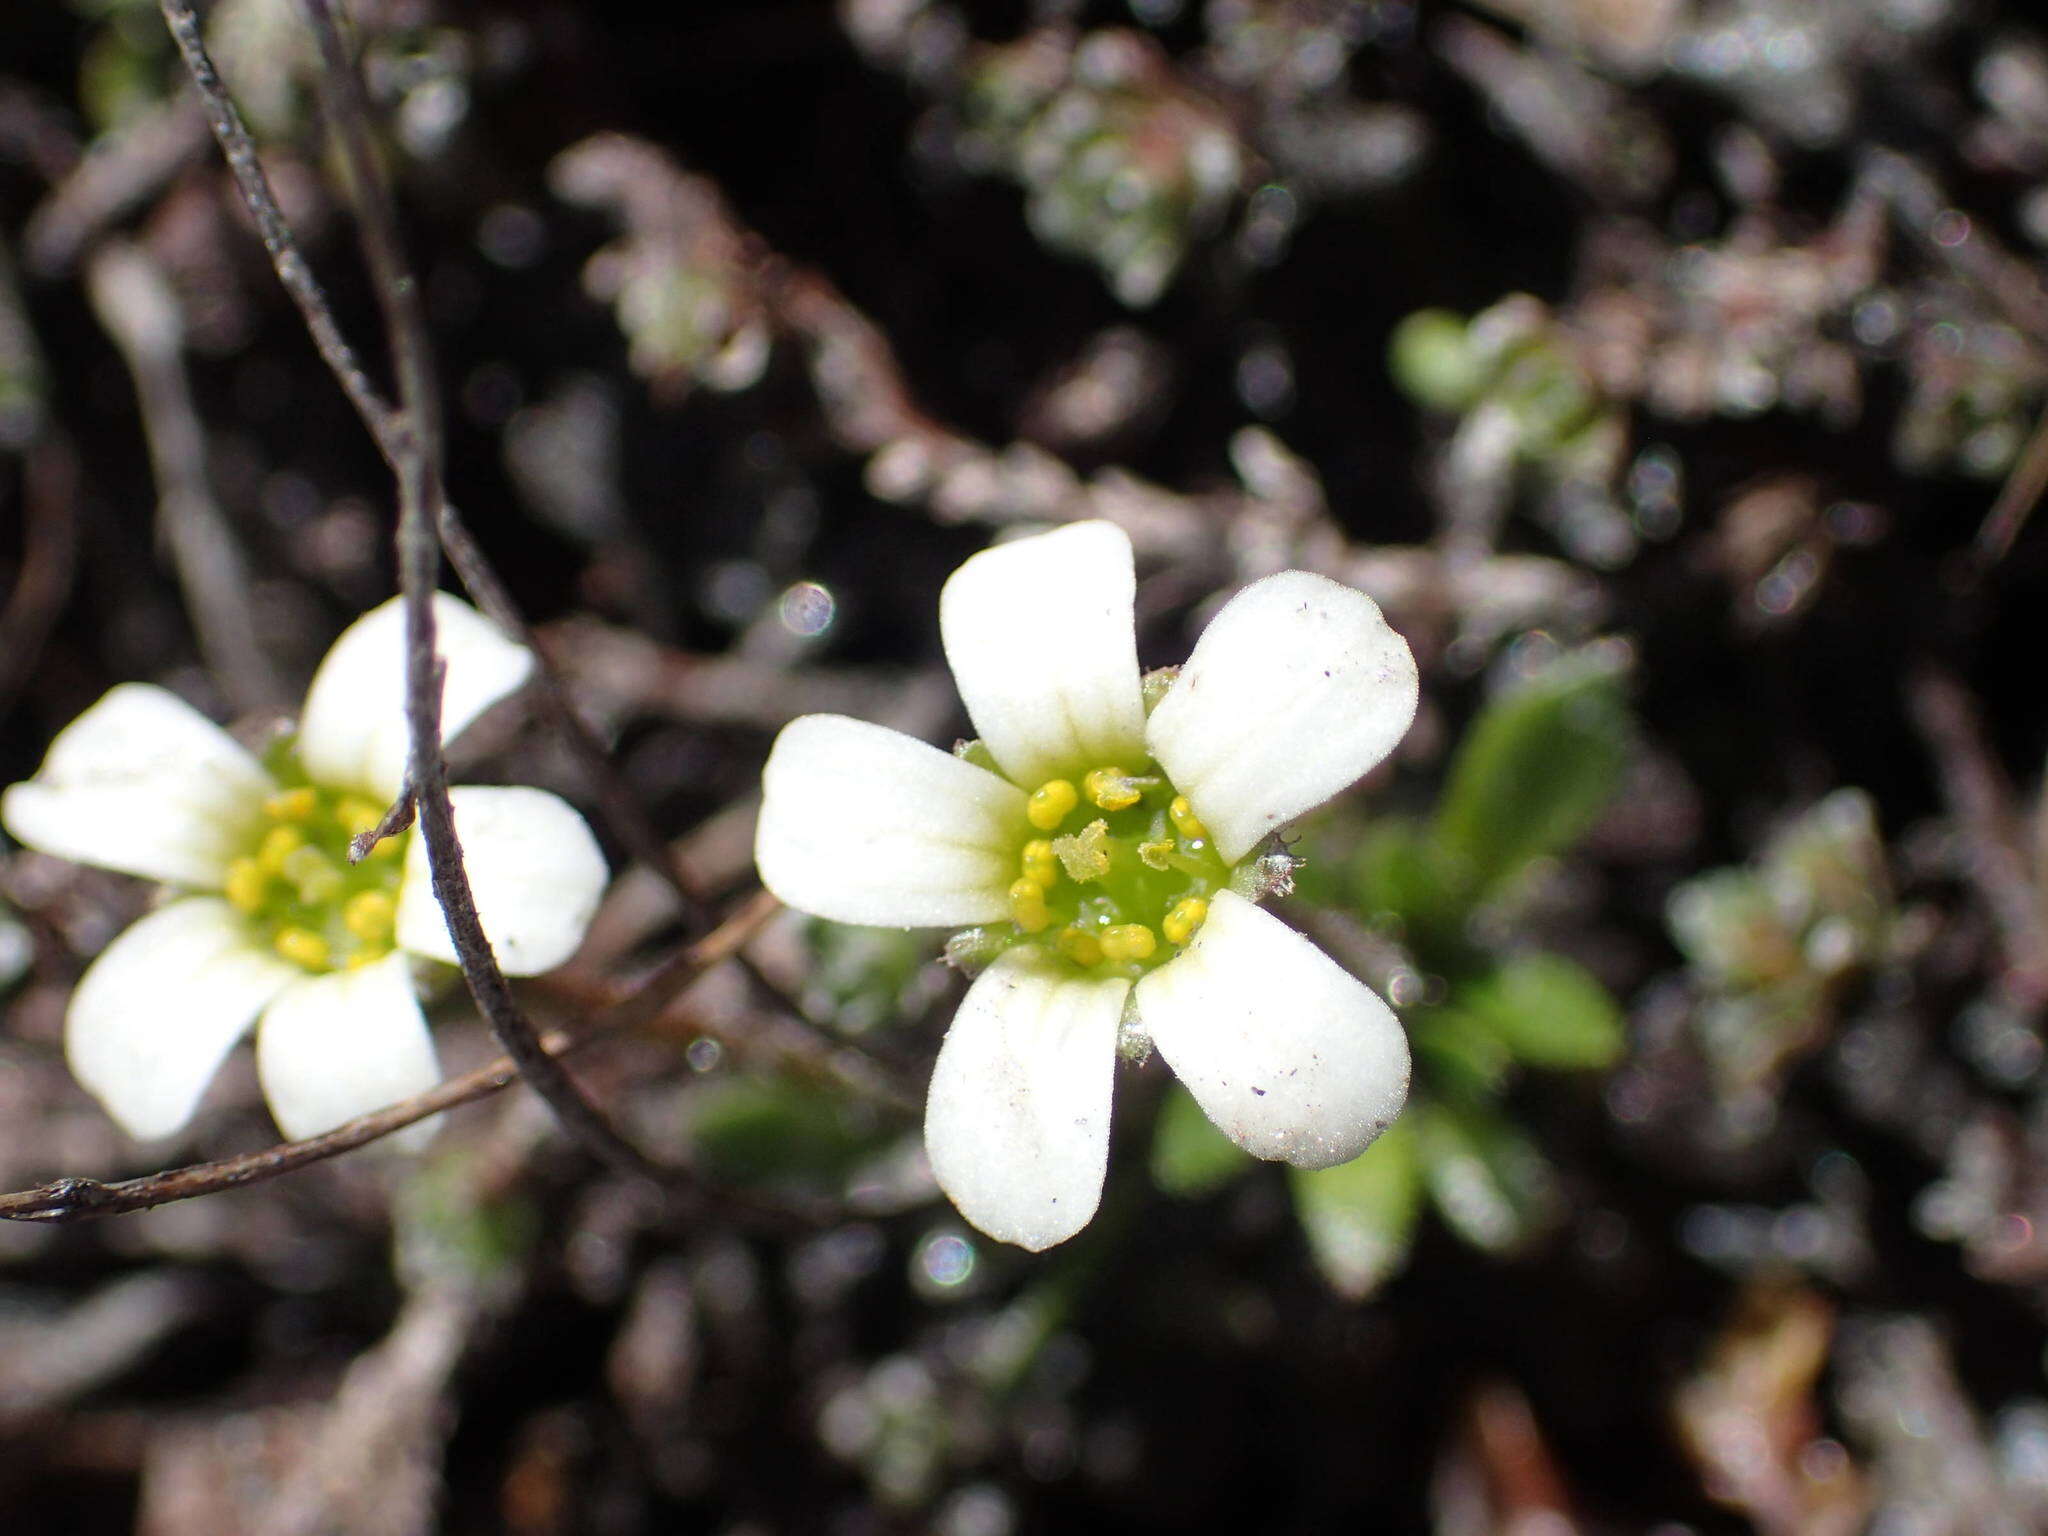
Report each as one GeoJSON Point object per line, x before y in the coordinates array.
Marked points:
{"type": "Point", "coordinates": [268, 922]}
{"type": "Point", "coordinates": [1111, 854]}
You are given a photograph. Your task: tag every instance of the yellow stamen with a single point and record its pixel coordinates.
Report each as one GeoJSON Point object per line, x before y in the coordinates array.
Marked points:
{"type": "Point", "coordinates": [1085, 855]}
{"type": "Point", "coordinates": [1180, 924]}
{"type": "Point", "coordinates": [1184, 820]}
{"type": "Point", "coordinates": [1040, 864]}
{"type": "Point", "coordinates": [1050, 803]}
{"type": "Point", "coordinates": [1027, 906]}
{"type": "Point", "coordinates": [1156, 855]}
{"type": "Point", "coordinates": [370, 916]}
{"type": "Point", "coordinates": [293, 804]}
{"type": "Point", "coordinates": [303, 947]}
{"type": "Point", "coordinates": [364, 958]}
{"type": "Point", "coordinates": [315, 875]}
{"type": "Point", "coordinates": [278, 844]}
{"type": "Point", "coordinates": [1128, 941]}
{"type": "Point", "coordinates": [1079, 945]}
{"type": "Point", "coordinates": [1111, 788]}
{"type": "Point", "coordinates": [244, 885]}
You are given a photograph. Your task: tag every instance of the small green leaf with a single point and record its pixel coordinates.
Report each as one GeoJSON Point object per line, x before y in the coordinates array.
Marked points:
{"type": "Point", "coordinates": [1434, 363]}
{"type": "Point", "coordinates": [1399, 881]}
{"type": "Point", "coordinates": [1359, 1217]}
{"type": "Point", "coordinates": [747, 1130]}
{"type": "Point", "coordinates": [1488, 1181]}
{"type": "Point", "coordinates": [1190, 1157]}
{"type": "Point", "coordinates": [1547, 1010]}
{"type": "Point", "coordinates": [1457, 1057]}
{"type": "Point", "coordinates": [1534, 770]}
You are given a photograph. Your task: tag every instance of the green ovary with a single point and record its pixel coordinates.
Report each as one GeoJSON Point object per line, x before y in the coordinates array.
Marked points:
{"type": "Point", "coordinates": [297, 890]}
{"type": "Point", "coordinates": [1116, 873]}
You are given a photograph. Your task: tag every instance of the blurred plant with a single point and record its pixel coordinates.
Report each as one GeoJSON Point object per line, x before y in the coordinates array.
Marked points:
{"type": "Point", "coordinates": [679, 277]}
{"type": "Point", "coordinates": [752, 1131]}
{"type": "Point", "coordinates": [1120, 161]}
{"type": "Point", "coordinates": [1433, 903]}
{"type": "Point", "coordinates": [1528, 406]}
{"type": "Point", "coordinates": [1750, 1419]}
{"type": "Point", "coordinates": [1771, 946]}
{"type": "Point", "coordinates": [1974, 389]}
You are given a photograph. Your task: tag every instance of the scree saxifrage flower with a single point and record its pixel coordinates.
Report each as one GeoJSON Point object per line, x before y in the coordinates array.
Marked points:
{"type": "Point", "coordinates": [1109, 836]}
{"type": "Point", "coordinates": [266, 921]}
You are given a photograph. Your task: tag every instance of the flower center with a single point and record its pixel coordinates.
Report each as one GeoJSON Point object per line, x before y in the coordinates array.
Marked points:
{"type": "Point", "coordinates": [298, 891]}
{"type": "Point", "coordinates": [1119, 874]}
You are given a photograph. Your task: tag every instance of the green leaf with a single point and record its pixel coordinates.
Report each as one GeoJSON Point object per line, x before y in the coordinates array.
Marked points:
{"type": "Point", "coordinates": [1434, 363]}
{"type": "Point", "coordinates": [748, 1130]}
{"type": "Point", "coordinates": [1547, 1010]}
{"type": "Point", "coordinates": [1487, 1180]}
{"type": "Point", "coordinates": [1399, 881]}
{"type": "Point", "coordinates": [1190, 1157]}
{"type": "Point", "coordinates": [1534, 771]}
{"type": "Point", "coordinates": [1359, 1217]}
{"type": "Point", "coordinates": [1456, 1057]}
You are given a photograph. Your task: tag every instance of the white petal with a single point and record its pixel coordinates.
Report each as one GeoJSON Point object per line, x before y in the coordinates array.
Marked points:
{"type": "Point", "coordinates": [352, 734]}
{"type": "Point", "coordinates": [862, 824]}
{"type": "Point", "coordinates": [535, 871]}
{"type": "Point", "coordinates": [155, 1014]}
{"type": "Point", "coordinates": [1044, 648]}
{"type": "Point", "coordinates": [1294, 691]}
{"type": "Point", "coordinates": [1017, 1124]}
{"type": "Point", "coordinates": [340, 1045]}
{"type": "Point", "coordinates": [1291, 1055]}
{"type": "Point", "coordinates": [143, 783]}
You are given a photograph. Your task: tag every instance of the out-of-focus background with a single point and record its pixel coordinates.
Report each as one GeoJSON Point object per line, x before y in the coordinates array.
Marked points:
{"type": "Point", "coordinates": [1672, 372]}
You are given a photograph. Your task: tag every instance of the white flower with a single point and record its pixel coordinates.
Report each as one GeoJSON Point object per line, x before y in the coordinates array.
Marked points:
{"type": "Point", "coordinates": [269, 923]}
{"type": "Point", "coordinates": [1112, 855]}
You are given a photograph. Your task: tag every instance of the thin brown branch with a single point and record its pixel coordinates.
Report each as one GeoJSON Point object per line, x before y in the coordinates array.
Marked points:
{"type": "Point", "coordinates": [73, 1198]}
{"type": "Point", "coordinates": [1980, 799]}
{"type": "Point", "coordinates": [134, 302]}
{"type": "Point", "coordinates": [2016, 500]}
{"type": "Point", "coordinates": [396, 820]}
{"type": "Point", "coordinates": [620, 809]}
{"type": "Point", "coordinates": [49, 559]}
{"type": "Point", "coordinates": [292, 271]}
{"type": "Point", "coordinates": [419, 561]}
{"type": "Point", "coordinates": [122, 172]}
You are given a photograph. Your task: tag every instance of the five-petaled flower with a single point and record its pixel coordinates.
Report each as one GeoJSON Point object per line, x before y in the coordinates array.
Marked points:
{"type": "Point", "coordinates": [268, 919]}
{"type": "Point", "coordinates": [1106, 833]}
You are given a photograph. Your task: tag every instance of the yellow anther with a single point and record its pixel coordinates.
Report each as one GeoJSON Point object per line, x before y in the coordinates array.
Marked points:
{"type": "Point", "coordinates": [1180, 924]}
{"type": "Point", "coordinates": [1184, 819]}
{"type": "Point", "coordinates": [1079, 945]}
{"type": "Point", "coordinates": [314, 874]}
{"type": "Point", "coordinates": [1050, 803]}
{"type": "Point", "coordinates": [1040, 863]}
{"type": "Point", "coordinates": [1027, 906]}
{"type": "Point", "coordinates": [1128, 941]}
{"type": "Point", "coordinates": [245, 885]}
{"type": "Point", "coordinates": [278, 845]}
{"type": "Point", "coordinates": [1085, 855]}
{"type": "Point", "coordinates": [1156, 855]}
{"type": "Point", "coordinates": [364, 958]}
{"type": "Point", "coordinates": [370, 916]}
{"type": "Point", "coordinates": [303, 947]}
{"type": "Point", "coordinates": [293, 804]}
{"type": "Point", "coordinates": [1111, 788]}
